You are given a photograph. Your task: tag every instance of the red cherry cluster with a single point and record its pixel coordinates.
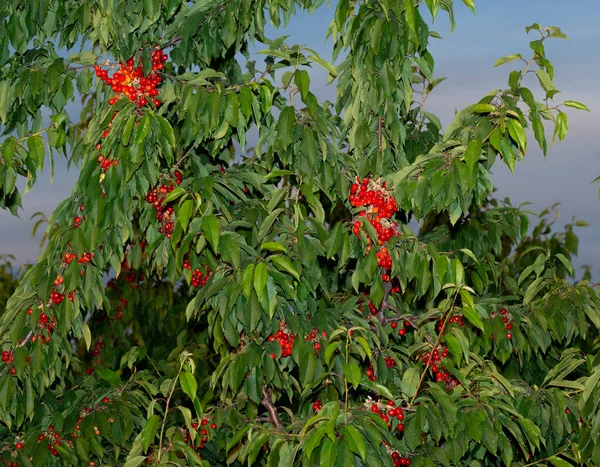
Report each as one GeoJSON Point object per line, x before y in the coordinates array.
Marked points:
{"type": "Point", "coordinates": [387, 412]}
{"type": "Point", "coordinates": [457, 319]}
{"type": "Point", "coordinates": [131, 82]}
{"type": "Point", "coordinates": [317, 405]}
{"type": "Point", "coordinates": [95, 355]}
{"type": "Point", "coordinates": [399, 460]}
{"type": "Point", "coordinates": [389, 362]}
{"type": "Point", "coordinates": [200, 278]}
{"type": "Point", "coordinates": [164, 212]}
{"type": "Point", "coordinates": [315, 337]}
{"type": "Point", "coordinates": [432, 360]}
{"type": "Point", "coordinates": [371, 373]}
{"type": "Point", "coordinates": [507, 320]}
{"type": "Point", "coordinates": [402, 330]}
{"type": "Point", "coordinates": [8, 358]}
{"type": "Point", "coordinates": [53, 440]}
{"type": "Point", "coordinates": [285, 338]}
{"type": "Point", "coordinates": [44, 324]}
{"type": "Point", "coordinates": [84, 258]}
{"type": "Point", "coordinates": [205, 432]}
{"type": "Point", "coordinates": [379, 206]}
{"type": "Point", "coordinates": [57, 297]}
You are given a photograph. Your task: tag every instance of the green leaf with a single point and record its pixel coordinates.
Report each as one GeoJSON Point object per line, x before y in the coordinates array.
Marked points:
{"type": "Point", "coordinates": [285, 126]}
{"type": "Point", "coordinates": [260, 279]}
{"type": "Point", "coordinates": [188, 384]}
{"type": "Point", "coordinates": [562, 125]}
{"type": "Point", "coordinates": [87, 336]}
{"type": "Point", "coordinates": [283, 263]}
{"type": "Point", "coordinates": [184, 214]}
{"type": "Point", "coordinates": [247, 276]}
{"type": "Point", "coordinates": [576, 105]}
{"type": "Point", "coordinates": [142, 131]}
{"type": "Point", "coordinates": [355, 441]}
{"type": "Point", "coordinates": [352, 373]}
{"type": "Point", "coordinates": [211, 229]}
{"type": "Point", "coordinates": [109, 376]}
{"type": "Point", "coordinates": [558, 462]}
{"type": "Point", "coordinates": [545, 80]}
{"type": "Point", "coordinates": [273, 246]}
{"type": "Point", "coordinates": [470, 4]}
{"type": "Point", "coordinates": [230, 249]}
{"type": "Point", "coordinates": [127, 130]}
{"type": "Point", "coordinates": [483, 108]}
{"type": "Point", "coordinates": [166, 129]}
{"type": "Point", "coordinates": [591, 384]}
{"type": "Point", "coordinates": [149, 431]}
{"type": "Point", "coordinates": [532, 432]}
{"type": "Point", "coordinates": [473, 317]}
{"type": "Point", "coordinates": [507, 59]}
{"type": "Point", "coordinates": [410, 382]}
{"type": "Point", "coordinates": [134, 461]}
{"type": "Point", "coordinates": [517, 133]}
{"type": "Point", "coordinates": [473, 152]}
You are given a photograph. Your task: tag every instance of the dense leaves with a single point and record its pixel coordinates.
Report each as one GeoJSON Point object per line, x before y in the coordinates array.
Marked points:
{"type": "Point", "coordinates": [199, 302]}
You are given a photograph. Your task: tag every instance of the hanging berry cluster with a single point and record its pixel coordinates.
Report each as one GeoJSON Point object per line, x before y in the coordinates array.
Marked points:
{"type": "Point", "coordinates": [397, 458]}
{"type": "Point", "coordinates": [507, 320]}
{"type": "Point", "coordinates": [199, 278]}
{"type": "Point", "coordinates": [317, 405]}
{"type": "Point", "coordinates": [457, 319]}
{"type": "Point", "coordinates": [432, 361]}
{"type": "Point", "coordinates": [130, 82]}
{"type": "Point", "coordinates": [387, 412]}
{"type": "Point", "coordinates": [314, 336]}
{"type": "Point", "coordinates": [285, 338]}
{"type": "Point", "coordinates": [163, 211]}
{"type": "Point", "coordinates": [402, 330]}
{"type": "Point", "coordinates": [379, 207]}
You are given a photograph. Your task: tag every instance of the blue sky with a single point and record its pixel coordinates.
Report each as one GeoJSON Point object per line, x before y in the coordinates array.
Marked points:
{"type": "Point", "coordinates": [466, 58]}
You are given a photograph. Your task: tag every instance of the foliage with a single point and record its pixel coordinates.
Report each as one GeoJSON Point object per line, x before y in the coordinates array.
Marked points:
{"type": "Point", "coordinates": [8, 280]}
{"type": "Point", "coordinates": [256, 313]}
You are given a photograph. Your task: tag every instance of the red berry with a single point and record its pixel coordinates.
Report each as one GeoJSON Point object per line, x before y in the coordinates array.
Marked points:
{"type": "Point", "coordinates": [394, 325]}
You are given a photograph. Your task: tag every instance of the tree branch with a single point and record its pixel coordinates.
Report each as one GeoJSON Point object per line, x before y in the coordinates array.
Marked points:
{"type": "Point", "coordinates": [266, 401]}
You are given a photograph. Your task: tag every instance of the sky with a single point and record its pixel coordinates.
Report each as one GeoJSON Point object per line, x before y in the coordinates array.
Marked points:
{"type": "Point", "coordinates": [466, 57]}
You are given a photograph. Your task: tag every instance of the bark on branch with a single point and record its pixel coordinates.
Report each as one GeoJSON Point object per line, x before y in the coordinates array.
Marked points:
{"type": "Point", "coordinates": [268, 403]}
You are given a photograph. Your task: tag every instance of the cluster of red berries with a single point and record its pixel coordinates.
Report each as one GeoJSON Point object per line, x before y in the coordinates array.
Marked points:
{"type": "Point", "coordinates": [44, 324]}
{"type": "Point", "coordinates": [95, 354]}
{"type": "Point", "coordinates": [84, 258]}
{"type": "Point", "coordinates": [77, 220]}
{"type": "Point", "coordinates": [371, 373]}
{"type": "Point", "coordinates": [285, 338]}
{"type": "Point", "coordinates": [387, 412]}
{"type": "Point", "coordinates": [205, 427]}
{"type": "Point", "coordinates": [432, 361]}
{"type": "Point", "coordinates": [379, 206]}
{"type": "Point", "coordinates": [397, 458]}
{"type": "Point", "coordinates": [164, 213]}
{"type": "Point", "coordinates": [57, 297]}
{"type": "Point", "coordinates": [315, 337]}
{"type": "Point", "coordinates": [507, 320]}
{"type": "Point", "coordinates": [53, 438]}
{"type": "Point", "coordinates": [389, 362]}
{"type": "Point", "coordinates": [317, 405]}
{"type": "Point", "coordinates": [457, 319]}
{"type": "Point", "coordinates": [199, 278]}
{"type": "Point", "coordinates": [130, 82]}
{"type": "Point", "coordinates": [402, 330]}
{"type": "Point", "coordinates": [8, 357]}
